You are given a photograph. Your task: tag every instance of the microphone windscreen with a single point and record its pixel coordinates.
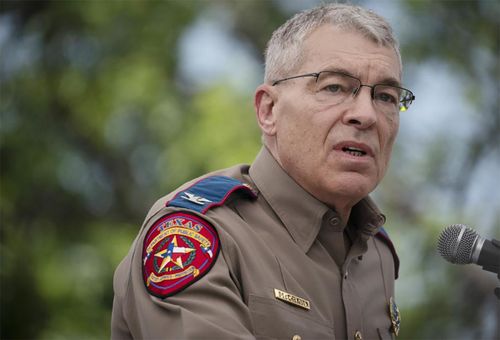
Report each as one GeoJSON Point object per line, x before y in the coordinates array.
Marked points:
{"type": "Point", "coordinates": [456, 243]}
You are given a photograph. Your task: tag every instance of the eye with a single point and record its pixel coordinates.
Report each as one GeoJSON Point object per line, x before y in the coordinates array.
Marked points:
{"type": "Point", "coordinates": [335, 88]}
{"type": "Point", "coordinates": [386, 98]}
{"type": "Point", "coordinates": [387, 94]}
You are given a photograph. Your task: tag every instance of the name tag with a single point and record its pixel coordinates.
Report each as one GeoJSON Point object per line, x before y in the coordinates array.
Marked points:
{"type": "Point", "coordinates": [292, 299]}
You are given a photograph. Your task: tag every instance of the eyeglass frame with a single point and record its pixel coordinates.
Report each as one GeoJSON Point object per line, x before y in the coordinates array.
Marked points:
{"type": "Point", "coordinates": [316, 75]}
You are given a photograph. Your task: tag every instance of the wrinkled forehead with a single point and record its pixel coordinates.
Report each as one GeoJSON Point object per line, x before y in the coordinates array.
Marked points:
{"type": "Point", "coordinates": [330, 47]}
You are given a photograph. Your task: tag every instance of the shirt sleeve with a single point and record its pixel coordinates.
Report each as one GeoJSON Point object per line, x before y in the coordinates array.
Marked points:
{"type": "Point", "coordinates": [210, 308]}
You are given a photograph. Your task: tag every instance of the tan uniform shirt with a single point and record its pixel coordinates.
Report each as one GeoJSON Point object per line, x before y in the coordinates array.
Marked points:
{"type": "Point", "coordinates": [271, 242]}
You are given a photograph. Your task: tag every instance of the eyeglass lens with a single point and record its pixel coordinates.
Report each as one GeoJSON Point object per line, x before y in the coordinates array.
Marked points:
{"type": "Point", "coordinates": [334, 88]}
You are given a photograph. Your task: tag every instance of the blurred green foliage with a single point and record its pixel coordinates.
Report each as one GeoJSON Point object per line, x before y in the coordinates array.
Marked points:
{"type": "Point", "coordinates": [97, 122]}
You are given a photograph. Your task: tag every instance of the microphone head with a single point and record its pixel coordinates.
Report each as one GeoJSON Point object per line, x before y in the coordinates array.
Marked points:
{"type": "Point", "coordinates": [456, 243]}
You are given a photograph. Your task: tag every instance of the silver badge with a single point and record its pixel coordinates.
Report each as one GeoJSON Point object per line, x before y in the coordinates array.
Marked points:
{"type": "Point", "coordinates": [195, 199]}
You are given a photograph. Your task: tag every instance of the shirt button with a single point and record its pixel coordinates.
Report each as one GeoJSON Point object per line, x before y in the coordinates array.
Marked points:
{"type": "Point", "coordinates": [296, 337]}
{"type": "Point", "coordinates": [358, 335]}
{"type": "Point", "coordinates": [334, 221]}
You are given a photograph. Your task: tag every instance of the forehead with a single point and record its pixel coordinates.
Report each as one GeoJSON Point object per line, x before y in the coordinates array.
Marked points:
{"type": "Point", "coordinates": [330, 47]}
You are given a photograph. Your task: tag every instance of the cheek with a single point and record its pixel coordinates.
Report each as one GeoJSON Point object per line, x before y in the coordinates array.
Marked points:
{"type": "Point", "coordinates": [388, 132]}
{"type": "Point", "coordinates": [387, 143]}
{"type": "Point", "coordinates": [294, 126]}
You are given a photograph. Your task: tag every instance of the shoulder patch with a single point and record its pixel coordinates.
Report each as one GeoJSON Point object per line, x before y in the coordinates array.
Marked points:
{"type": "Point", "coordinates": [179, 249]}
{"type": "Point", "coordinates": [208, 193]}
{"type": "Point", "coordinates": [384, 236]}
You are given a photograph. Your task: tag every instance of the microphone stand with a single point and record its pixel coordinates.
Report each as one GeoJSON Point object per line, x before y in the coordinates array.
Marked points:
{"type": "Point", "coordinates": [495, 268]}
{"type": "Point", "coordinates": [497, 290]}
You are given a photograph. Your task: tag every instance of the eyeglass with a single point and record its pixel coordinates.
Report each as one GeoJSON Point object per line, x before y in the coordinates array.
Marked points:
{"type": "Point", "coordinates": [335, 87]}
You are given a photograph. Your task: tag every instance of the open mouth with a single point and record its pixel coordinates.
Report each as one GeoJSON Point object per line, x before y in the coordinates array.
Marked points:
{"type": "Point", "coordinates": [353, 151]}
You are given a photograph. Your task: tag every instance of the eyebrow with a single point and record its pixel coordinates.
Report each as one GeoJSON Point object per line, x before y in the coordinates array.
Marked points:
{"type": "Point", "coordinates": [385, 81]}
{"type": "Point", "coordinates": [391, 82]}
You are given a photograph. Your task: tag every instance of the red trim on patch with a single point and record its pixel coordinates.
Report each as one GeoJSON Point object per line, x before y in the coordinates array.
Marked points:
{"type": "Point", "coordinates": [178, 250]}
{"type": "Point", "coordinates": [226, 196]}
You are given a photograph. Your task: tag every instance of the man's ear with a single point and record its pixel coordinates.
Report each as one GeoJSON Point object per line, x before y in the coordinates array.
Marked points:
{"type": "Point", "coordinates": [264, 101]}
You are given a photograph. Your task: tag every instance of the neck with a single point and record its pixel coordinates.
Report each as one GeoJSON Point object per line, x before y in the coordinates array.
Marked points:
{"type": "Point", "coordinates": [344, 213]}
{"type": "Point", "coordinates": [342, 205]}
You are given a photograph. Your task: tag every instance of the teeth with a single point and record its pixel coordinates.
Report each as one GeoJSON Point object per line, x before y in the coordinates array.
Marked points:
{"type": "Point", "coordinates": [354, 151]}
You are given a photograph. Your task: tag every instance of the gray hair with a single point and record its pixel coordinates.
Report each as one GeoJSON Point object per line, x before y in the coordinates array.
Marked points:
{"type": "Point", "coordinates": [284, 52]}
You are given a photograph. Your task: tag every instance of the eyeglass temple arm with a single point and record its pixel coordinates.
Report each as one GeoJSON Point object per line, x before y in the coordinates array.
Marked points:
{"type": "Point", "coordinates": [276, 82]}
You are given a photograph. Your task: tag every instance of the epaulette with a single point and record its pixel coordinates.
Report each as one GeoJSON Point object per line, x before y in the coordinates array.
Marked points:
{"type": "Point", "coordinates": [208, 193]}
{"type": "Point", "coordinates": [384, 236]}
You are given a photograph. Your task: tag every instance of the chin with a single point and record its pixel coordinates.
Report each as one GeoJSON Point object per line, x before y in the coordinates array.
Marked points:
{"type": "Point", "coordinates": [355, 186]}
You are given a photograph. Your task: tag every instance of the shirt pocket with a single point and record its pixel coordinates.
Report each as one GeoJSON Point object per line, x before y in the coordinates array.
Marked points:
{"type": "Point", "coordinates": [273, 319]}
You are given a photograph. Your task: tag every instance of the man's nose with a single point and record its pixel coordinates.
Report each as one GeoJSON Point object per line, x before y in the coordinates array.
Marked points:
{"type": "Point", "coordinates": [362, 112]}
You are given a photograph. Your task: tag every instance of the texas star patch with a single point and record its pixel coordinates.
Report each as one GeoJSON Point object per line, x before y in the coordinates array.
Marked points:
{"type": "Point", "coordinates": [178, 250]}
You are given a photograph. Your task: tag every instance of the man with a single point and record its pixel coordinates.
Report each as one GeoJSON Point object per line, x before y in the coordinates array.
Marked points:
{"type": "Point", "coordinates": [290, 247]}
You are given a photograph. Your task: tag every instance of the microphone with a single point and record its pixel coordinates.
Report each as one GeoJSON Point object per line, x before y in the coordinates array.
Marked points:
{"type": "Point", "coordinates": [460, 244]}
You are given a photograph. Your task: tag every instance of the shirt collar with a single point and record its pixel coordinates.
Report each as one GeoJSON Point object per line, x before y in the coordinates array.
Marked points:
{"type": "Point", "coordinates": [366, 218]}
{"type": "Point", "coordinates": [301, 213]}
